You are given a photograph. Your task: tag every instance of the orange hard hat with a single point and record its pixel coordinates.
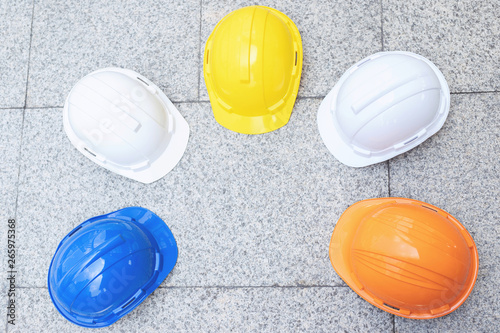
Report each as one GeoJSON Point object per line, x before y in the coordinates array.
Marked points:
{"type": "Point", "coordinates": [405, 257]}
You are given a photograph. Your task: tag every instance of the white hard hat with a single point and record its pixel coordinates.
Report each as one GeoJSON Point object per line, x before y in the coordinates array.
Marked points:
{"type": "Point", "coordinates": [383, 106]}
{"type": "Point", "coordinates": [126, 124]}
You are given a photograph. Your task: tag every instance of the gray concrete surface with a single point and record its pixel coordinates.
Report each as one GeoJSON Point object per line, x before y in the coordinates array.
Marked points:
{"type": "Point", "coordinates": [252, 215]}
{"type": "Point", "coordinates": [158, 39]}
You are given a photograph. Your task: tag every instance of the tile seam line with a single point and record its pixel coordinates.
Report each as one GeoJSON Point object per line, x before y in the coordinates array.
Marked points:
{"type": "Point", "coordinates": [175, 102]}
{"type": "Point", "coordinates": [19, 155]}
{"type": "Point", "coordinates": [253, 287]}
{"type": "Point", "coordinates": [389, 177]}
{"type": "Point", "coordinates": [29, 55]}
{"type": "Point", "coordinates": [207, 101]}
{"type": "Point", "coordinates": [475, 92]}
{"type": "Point", "coordinates": [219, 287]}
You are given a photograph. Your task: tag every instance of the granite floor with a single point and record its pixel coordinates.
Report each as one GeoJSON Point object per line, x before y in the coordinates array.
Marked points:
{"type": "Point", "coordinates": [252, 215]}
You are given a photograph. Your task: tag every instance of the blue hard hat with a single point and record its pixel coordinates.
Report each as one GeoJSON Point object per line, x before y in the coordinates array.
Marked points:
{"type": "Point", "coordinates": [109, 264]}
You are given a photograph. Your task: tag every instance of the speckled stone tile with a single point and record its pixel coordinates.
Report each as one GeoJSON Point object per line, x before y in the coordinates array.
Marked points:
{"type": "Point", "coordinates": [335, 35]}
{"type": "Point", "coordinates": [223, 310]}
{"type": "Point", "coordinates": [245, 210]}
{"type": "Point", "coordinates": [15, 25]}
{"type": "Point", "coordinates": [155, 38]}
{"type": "Point", "coordinates": [458, 170]}
{"type": "Point", "coordinates": [10, 141]}
{"type": "Point", "coordinates": [460, 37]}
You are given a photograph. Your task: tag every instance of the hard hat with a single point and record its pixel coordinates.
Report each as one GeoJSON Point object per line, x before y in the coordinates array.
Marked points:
{"type": "Point", "coordinates": [125, 123]}
{"type": "Point", "coordinates": [252, 66]}
{"type": "Point", "coordinates": [383, 106]}
{"type": "Point", "coordinates": [109, 264]}
{"type": "Point", "coordinates": [405, 257]}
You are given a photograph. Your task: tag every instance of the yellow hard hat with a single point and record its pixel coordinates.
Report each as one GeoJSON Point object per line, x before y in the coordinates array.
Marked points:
{"type": "Point", "coordinates": [252, 66]}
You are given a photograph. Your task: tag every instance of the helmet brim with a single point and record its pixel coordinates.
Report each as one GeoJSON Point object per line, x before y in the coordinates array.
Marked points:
{"type": "Point", "coordinates": [161, 233]}
{"type": "Point", "coordinates": [172, 155]}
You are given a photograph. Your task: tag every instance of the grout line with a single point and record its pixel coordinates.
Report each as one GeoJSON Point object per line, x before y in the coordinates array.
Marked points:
{"type": "Point", "coordinates": [254, 287]}
{"type": "Point", "coordinates": [199, 51]}
{"type": "Point", "coordinates": [225, 287]}
{"type": "Point", "coordinates": [22, 127]}
{"type": "Point", "coordinates": [176, 102]}
{"type": "Point", "coordinates": [393, 323]}
{"type": "Point", "coordinates": [389, 177]}
{"type": "Point", "coordinates": [382, 24]}
{"type": "Point", "coordinates": [189, 101]}
{"type": "Point", "coordinates": [310, 97]}
{"type": "Point", "coordinates": [19, 164]}
{"type": "Point", "coordinates": [29, 54]}
{"type": "Point", "coordinates": [323, 96]}
{"type": "Point", "coordinates": [474, 92]}
{"type": "Point", "coordinates": [207, 101]}
{"type": "Point", "coordinates": [43, 107]}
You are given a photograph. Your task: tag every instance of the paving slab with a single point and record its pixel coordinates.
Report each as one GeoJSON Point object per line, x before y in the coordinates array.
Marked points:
{"type": "Point", "coordinates": [460, 37]}
{"type": "Point", "coordinates": [15, 25]}
{"type": "Point", "coordinates": [457, 170]}
{"type": "Point", "coordinates": [71, 39]}
{"type": "Point", "coordinates": [245, 210]}
{"type": "Point", "coordinates": [222, 310]}
{"type": "Point", "coordinates": [335, 35]}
